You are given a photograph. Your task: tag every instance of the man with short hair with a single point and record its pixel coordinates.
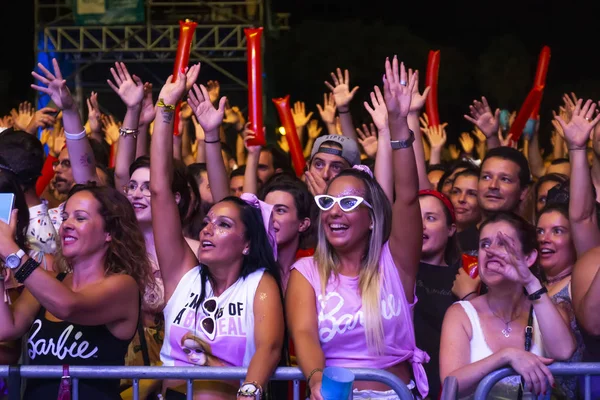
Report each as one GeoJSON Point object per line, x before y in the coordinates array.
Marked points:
{"type": "Point", "coordinates": [271, 161]}
{"type": "Point", "coordinates": [330, 155]}
{"type": "Point", "coordinates": [504, 181]}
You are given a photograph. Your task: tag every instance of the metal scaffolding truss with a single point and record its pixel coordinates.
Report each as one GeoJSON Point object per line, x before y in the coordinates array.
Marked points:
{"type": "Point", "coordinates": [218, 41]}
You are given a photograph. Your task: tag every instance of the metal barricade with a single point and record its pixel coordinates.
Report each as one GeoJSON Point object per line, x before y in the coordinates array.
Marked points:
{"type": "Point", "coordinates": [190, 374]}
{"type": "Point", "coordinates": [449, 389]}
{"type": "Point", "coordinates": [567, 369]}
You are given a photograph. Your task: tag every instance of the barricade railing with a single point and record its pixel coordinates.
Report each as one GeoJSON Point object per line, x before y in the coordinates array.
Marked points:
{"type": "Point", "coordinates": [449, 389]}
{"type": "Point", "coordinates": [190, 374]}
{"type": "Point", "coordinates": [587, 370]}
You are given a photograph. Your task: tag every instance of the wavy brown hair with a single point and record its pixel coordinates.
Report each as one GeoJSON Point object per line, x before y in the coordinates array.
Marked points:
{"type": "Point", "coordinates": [126, 253]}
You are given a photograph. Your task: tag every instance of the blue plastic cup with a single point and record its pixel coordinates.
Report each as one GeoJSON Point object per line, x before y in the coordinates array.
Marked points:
{"type": "Point", "coordinates": [337, 383]}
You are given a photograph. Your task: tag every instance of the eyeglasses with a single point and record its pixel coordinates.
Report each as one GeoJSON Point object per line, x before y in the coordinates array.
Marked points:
{"type": "Point", "coordinates": [347, 203]}
{"type": "Point", "coordinates": [209, 323]}
{"type": "Point", "coordinates": [64, 163]}
{"type": "Point", "coordinates": [130, 188]}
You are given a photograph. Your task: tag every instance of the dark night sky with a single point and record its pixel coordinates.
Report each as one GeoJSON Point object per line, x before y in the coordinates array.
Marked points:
{"type": "Point", "coordinates": [569, 28]}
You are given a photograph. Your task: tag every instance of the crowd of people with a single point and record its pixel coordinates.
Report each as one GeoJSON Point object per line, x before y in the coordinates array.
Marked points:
{"type": "Point", "coordinates": [146, 240]}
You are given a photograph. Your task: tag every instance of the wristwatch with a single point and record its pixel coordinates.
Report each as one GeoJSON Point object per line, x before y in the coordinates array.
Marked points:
{"type": "Point", "coordinates": [250, 390]}
{"type": "Point", "coordinates": [403, 144]}
{"type": "Point", "coordinates": [14, 260]}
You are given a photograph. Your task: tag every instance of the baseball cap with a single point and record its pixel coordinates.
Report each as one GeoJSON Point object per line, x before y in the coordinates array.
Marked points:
{"type": "Point", "coordinates": [349, 151]}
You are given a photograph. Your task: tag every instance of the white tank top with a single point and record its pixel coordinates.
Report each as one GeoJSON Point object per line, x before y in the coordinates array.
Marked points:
{"type": "Point", "coordinates": [187, 341]}
{"type": "Point", "coordinates": [509, 386]}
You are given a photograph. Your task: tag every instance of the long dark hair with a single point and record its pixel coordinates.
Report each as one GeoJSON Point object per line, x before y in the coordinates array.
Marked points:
{"type": "Point", "coordinates": [261, 252]}
{"type": "Point", "coordinates": [10, 184]}
{"type": "Point", "coordinates": [452, 251]}
{"type": "Point", "coordinates": [126, 253]}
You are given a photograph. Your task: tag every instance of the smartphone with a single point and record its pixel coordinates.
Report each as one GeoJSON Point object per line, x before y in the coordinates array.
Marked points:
{"type": "Point", "coordinates": [51, 104]}
{"type": "Point", "coordinates": [7, 203]}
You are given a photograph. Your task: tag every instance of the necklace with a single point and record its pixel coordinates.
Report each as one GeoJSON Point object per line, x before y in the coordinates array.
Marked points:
{"type": "Point", "coordinates": [559, 277]}
{"type": "Point", "coordinates": [507, 329]}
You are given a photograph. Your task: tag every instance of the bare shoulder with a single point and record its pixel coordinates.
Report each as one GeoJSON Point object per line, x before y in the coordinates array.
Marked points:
{"type": "Point", "coordinates": [457, 318]}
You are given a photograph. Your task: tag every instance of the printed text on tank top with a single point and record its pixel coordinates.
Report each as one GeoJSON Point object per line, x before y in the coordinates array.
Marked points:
{"type": "Point", "coordinates": [77, 349]}
{"type": "Point", "coordinates": [228, 317]}
{"type": "Point", "coordinates": [330, 324]}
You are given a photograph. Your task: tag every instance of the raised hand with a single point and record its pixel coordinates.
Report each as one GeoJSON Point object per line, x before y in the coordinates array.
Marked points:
{"type": "Point", "coordinates": [94, 114]}
{"type": "Point", "coordinates": [405, 90]}
{"type": "Point", "coordinates": [424, 123]}
{"type": "Point", "coordinates": [418, 99]}
{"type": "Point", "coordinates": [283, 143]}
{"type": "Point", "coordinates": [509, 261]}
{"type": "Point", "coordinates": [391, 86]}
{"type": "Point", "coordinates": [368, 139]}
{"type": "Point", "coordinates": [198, 129]}
{"type": "Point", "coordinates": [186, 111]}
{"type": "Point", "coordinates": [378, 111]}
{"type": "Point", "coordinates": [478, 134]}
{"type": "Point", "coordinates": [577, 131]}
{"type": "Point", "coordinates": [56, 141]}
{"type": "Point", "coordinates": [42, 118]}
{"type": "Point", "coordinates": [208, 116]}
{"type": "Point", "coordinates": [148, 111]}
{"type": "Point", "coordinates": [482, 117]}
{"type": "Point", "coordinates": [437, 136]}
{"type": "Point", "coordinates": [22, 118]}
{"type": "Point", "coordinates": [341, 88]}
{"type": "Point", "coordinates": [111, 129]}
{"type": "Point", "coordinates": [214, 90]}
{"type": "Point", "coordinates": [172, 92]}
{"type": "Point", "coordinates": [327, 112]}
{"type": "Point", "coordinates": [129, 88]}
{"type": "Point", "coordinates": [506, 141]}
{"type": "Point", "coordinates": [56, 86]}
{"type": "Point", "coordinates": [467, 142]}
{"type": "Point", "coordinates": [191, 76]}
{"type": "Point", "coordinates": [454, 152]}
{"type": "Point", "coordinates": [299, 114]}
{"type": "Point", "coordinates": [314, 130]}
{"type": "Point", "coordinates": [248, 134]}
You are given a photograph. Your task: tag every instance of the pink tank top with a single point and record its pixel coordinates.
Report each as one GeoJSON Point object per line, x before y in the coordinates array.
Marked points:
{"type": "Point", "coordinates": [340, 319]}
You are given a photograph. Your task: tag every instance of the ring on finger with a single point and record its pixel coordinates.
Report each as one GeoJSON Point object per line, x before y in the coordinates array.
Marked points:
{"type": "Point", "coordinates": [403, 83]}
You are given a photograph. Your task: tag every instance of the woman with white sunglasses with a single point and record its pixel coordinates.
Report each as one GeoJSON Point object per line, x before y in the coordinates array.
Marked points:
{"type": "Point", "coordinates": [228, 310]}
{"type": "Point", "coordinates": [351, 304]}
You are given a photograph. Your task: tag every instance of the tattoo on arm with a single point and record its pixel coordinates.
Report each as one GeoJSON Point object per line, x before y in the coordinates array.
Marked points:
{"type": "Point", "coordinates": [167, 116]}
{"type": "Point", "coordinates": [85, 160]}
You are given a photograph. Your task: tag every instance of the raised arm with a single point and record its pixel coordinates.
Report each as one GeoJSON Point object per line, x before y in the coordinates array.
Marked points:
{"type": "Point", "coordinates": [327, 113]}
{"type": "Point", "coordinates": [342, 96]}
{"type": "Point", "coordinates": [586, 291]}
{"type": "Point", "coordinates": [210, 120]}
{"type": "Point", "coordinates": [488, 122]}
{"type": "Point", "coordinates": [95, 118]}
{"type": "Point", "coordinates": [269, 327]}
{"type": "Point", "coordinates": [301, 314]}
{"type": "Point", "coordinates": [146, 118]}
{"type": "Point", "coordinates": [536, 162]}
{"type": "Point", "coordinates": [131, 91]}
{"type": "Point", "coordinates": [416, 105]}
{"type": "Point", "coordinates": [175, 257]}
{"type": "Point", "coordinates": [80, 151]}
{"type": "Point", "coordinates": [582, 204]}
{"type": "Point", "coordinates": [383, 161]}
{"type": "Point", "coordinates": [250, 174]}
{"type": "Point", "coordinates": [405, 244]}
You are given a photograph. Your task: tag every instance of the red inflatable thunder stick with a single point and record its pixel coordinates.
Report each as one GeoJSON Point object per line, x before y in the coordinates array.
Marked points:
{"type": "Point", "coordinates": [533, 98]}
{"type": "Point", "coordinates": [431, 80]}
{"type": "Point", "coordinates": [540, 77]}
{"type": "Point", "coordinates": [255, 92]}
{"type": "Point", "coordinates": [186, 32]}
{"type": "Point", "coordinates": [287, 120]}
{"type": "Point", "coordinates": [470, 265]}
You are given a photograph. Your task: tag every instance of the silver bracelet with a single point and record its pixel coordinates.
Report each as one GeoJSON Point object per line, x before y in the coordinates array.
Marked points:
{"type": "Point", "coordinates": [76, 136]}
{"type": "Point", "coordinates": [127, 132]}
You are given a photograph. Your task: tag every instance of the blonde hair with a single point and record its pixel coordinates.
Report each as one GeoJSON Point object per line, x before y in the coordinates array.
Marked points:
{"type": "Point", "coordinates": [369, 278]}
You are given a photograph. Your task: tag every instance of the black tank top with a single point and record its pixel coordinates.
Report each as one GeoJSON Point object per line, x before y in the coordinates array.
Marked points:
{"type": "Point", "coordinates": [58, 343]}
